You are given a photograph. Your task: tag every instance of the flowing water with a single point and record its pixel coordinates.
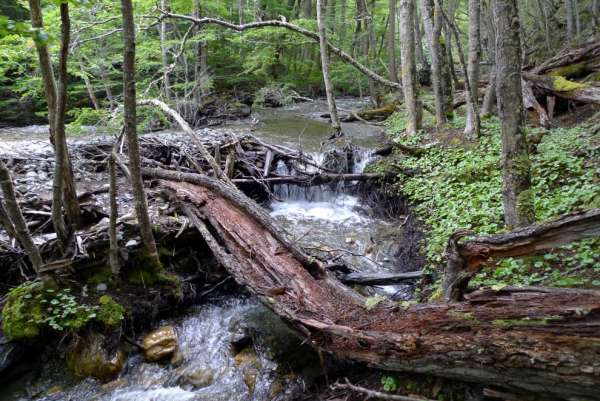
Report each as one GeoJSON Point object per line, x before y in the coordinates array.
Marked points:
{"type": "Point", "coordinates": [328, 219]}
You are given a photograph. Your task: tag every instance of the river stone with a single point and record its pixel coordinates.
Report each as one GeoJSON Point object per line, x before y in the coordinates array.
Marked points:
{"type": "Point", "coordinates": [160, 344]}
{"type": "Point", "coordinates": [88, 358]}
{"type": "Point", "coordinates": [248, 362]}
{"type": "Point", "coordinates": [200, 378]}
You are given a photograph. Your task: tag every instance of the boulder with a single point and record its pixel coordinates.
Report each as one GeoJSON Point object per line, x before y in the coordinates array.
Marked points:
{"type": "Point", "coordinates": [160, 344]}
{"type": "Point", "coordinates": [199, 378]}
{"type": "Point", "coordinates": [87, 357]}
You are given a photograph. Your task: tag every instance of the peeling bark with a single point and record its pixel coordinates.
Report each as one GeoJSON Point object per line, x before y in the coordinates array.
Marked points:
{"type": "Point", "coordinates": [521, 339]}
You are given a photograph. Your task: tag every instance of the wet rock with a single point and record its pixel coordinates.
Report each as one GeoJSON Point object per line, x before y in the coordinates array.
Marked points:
{"type": "Point", "coordinates": [160, 344]}
{"type": "Point", "coordinates": [101, 287]}
{"type": "Point", "coordinates": [115, 384]}
{"type": "Point", "coordinates": [10, 355]}
{"type": "Point", "coordinates": [248, 361]}
{"type": "Point", "coordinates": [240, 336]}
{"type": "Point", "coordinates": [200, 378]}
{"type": "Point", "coordinates": [87, 357]}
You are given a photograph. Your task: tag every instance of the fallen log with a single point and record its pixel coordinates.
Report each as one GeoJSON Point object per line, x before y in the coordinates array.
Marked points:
{"type": "Point", "coordinates": [524, 340]}
{"type": "Point", "coordinates": [380, 278]}
{"type": "Point", "coordinates": [563, 88]}
{"type": "Point", "coordinates": [574, 61]}
{"type": "Point", "coordinates": [310, 179]}
{"type": "Point", "coordinates": [466, 258]}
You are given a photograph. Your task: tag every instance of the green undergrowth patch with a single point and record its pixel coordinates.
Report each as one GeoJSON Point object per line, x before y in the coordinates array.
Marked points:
{"type": "Point", "coordinates": [31, 310]}
{"type": "Point", "coordinates": [459, 187]}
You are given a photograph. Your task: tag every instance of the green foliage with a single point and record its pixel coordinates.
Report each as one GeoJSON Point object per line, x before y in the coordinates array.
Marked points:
{"type": "Point", "coordinates": [389, 383]}
{"type": "Point", "coordinates": [372, 302]}
{"type": "Point", "coordinates": [30, 308]}
{"type": "Point", "coordinates": [110, 312]}
{"type": "Point", "coordinates": [461, 188]}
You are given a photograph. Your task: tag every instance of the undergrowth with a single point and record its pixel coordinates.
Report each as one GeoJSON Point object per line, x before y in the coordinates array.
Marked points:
{"type": "Point", "coordinates": [460, 187]}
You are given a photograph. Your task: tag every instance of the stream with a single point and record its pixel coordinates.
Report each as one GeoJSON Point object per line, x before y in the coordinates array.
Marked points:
{"type": "Point", "coordinates": [323, 218]}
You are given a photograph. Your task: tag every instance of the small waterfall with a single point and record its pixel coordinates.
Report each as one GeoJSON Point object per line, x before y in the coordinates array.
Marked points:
{"type": "Point", "coordinates": [322, 193]}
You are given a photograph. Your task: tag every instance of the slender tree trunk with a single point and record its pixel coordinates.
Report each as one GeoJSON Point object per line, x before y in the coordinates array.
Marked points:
{"type": "Point", "coordinates": [517, 193]}
{"type": "Point", "coordinates": [63, 232]}
{"type": "Point", "coordinates": [37, 22]}
{"type": "Point", "coordinates": [391, 41]}
{"type": "Point", "coordinates": [129, 103]}
{"type": "Point", "coordinates": [472, 125]}
{"type": "Point", "coordinates": [489, 99]}
{"type": "Point", "coordinates": [422, 64]}
{"type": "Point", "coordinates": [335, 120]}
{"type": "Point", "coordinates": [409, 68]}
{"type": "Point", "coordinates": [164, 50]}
{"type": "Point", "coordinates": [113, 254]}
{"type": "Point", "coordinates": [433, 31]}
{"type": "Point", "coordinates": [90, 90]}
{"type": "Point", "coordinates": [342, 21]}
{"type": "Point", "coordinates": [544, 16]}
{"type": "Point", "coordinates": [445, 60]}
{"type": "Point", "coordinates": [13, 211]}
{"type": "Point", "coordinates": [5, 220]}
{"type": "Point", "coordinates": [201, 65]}
{"type": "Point", "coordinates": [571, 24]}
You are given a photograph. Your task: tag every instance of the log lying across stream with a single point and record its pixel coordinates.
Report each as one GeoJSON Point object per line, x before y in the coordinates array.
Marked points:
{"type": "Point", "coordinates": [538, 340]}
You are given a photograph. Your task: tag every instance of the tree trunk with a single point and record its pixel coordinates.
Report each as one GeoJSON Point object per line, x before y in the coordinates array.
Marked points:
{"type": "Point", "coordinates": [544, 16]}
{"type": "Point", "coordinates": [5, 220]}
{"type": "Point", "coordinates": [164, 51]}
{"type": "Point", "coordinates": [90, 90]}
{"type": "Point", "coordinates": [433, 32]}
{"type": "Point", "coordinates": [526, 339]}
{"type": "Point", "coordinates": [571, 24]}
{"type": "Point", "coordinates": [129, 105]}
{"type": "Point", "coordinates": [201, 65]}
{"type": "Point", "coordinates": [391, 41]}
{"type": "Point", "coordinates": [333, 114]}
{"type": "Point", "coordinates": [445, 61]}
{"type": "Point", "coordinates": [517, 193]}
{"type": "Point", "coordinates": [113, 252]}
{"type": "Point", "coordinates": [13, 212]}
{"type": "Point", "coordinates": [472, 125]}
{"type": "Point", "coordinates": [409, 68]}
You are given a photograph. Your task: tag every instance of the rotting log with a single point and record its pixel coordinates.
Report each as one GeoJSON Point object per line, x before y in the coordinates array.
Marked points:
{"type": "Point", "coordinates": [575, 61]}
{"type": "Point", "coordinates": [524, 340]}
{"type": "Point", "coordinates": [561, 87]}
{"type": "Point", "coordinates": [368, 279]}
{"type": "Point", "coordinates": [466, 258]}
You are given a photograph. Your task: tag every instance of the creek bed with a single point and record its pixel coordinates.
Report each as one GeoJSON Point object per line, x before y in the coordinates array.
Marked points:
{"type": "Point", "coordinates": [325, 218]}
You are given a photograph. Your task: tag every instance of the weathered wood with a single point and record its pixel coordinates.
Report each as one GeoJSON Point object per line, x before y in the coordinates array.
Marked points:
{"type": "Point", "coordinates": [563, 88]}
{"type": "Point", "coordinates": [578, 60]}
{"type": "Point", "coordinates": [466, 258]}
{"type": "Point", "coordinates": [310, 179]}
{"type": "Point", "coordinates": [380, 278]}
{"type": "Point", "coordinates": [525, 340]}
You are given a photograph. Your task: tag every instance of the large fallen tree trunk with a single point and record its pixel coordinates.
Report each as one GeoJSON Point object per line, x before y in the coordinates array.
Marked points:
{"type": "Point", "coordinates": [466, 258]}
{"type": "Point", "coordinates": [524, 339]}
{"type": "Point", "coordinates": [574, 61]}
{"type": "Point", "coordinates": [563, 88]}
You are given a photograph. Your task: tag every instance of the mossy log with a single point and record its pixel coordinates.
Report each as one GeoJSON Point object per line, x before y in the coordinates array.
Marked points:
{"type": "Point", "coordinates": [564, 88]}
{"type": "Point", "coordinates": [522, 339]}
{"type": "Point", "coordinates": [466, 258]}
{"type": "Point", "coordinates": [572, 62]}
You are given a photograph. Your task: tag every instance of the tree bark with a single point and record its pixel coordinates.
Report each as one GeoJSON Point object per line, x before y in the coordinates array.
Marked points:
{"type": "Point", "coordinates": [391, 41]}
{"type": "Point", "coordinates": [129, 104]}
{"type": "Point", "coordinates": [467, 258]}
{"type": "Point", "coordinates": [164, 51]}
{"type": "Point", "coordinates": [333, 114]}
{"type": "Point", "coordinates": [472, 125]}
{"type": "Point", "coordinates": [517, 194]}
{"type": "Point", "coordinates": [409, 68]}
{"type": "Point", "coordinates": [526, 339]}
{"type": "Point", "coordinates": [13, 211]}
{"type": "Point", "coordinates": [5, 220]}
{"type": "Point", "coordinates": [564, 88]}
{"type": "Point", "coordinates": [433, 32]}
{"type": "Point", "coordinates": [571, 24]}
{"type": "Point", "coordinates": [113, 252]}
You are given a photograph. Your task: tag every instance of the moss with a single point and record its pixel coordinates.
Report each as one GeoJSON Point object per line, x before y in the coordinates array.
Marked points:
{"type": "Point", "coordinates": [561, 84]}
{"type": "Point", "coordinates": [110, 312]}
{"type": "Point", "coordinates": [568, 70]}
{"type": "Point", "coordinates": [22, 312]}
{"type": "Point", "coordinates": [99, 275]}
{"type": "Point", "coordinates": [541, 321]}
{"type": "Point", "coordinates": [437, 294]}
{"type": "Point", "coordinates": [525, 205]}
{"type": "Point", "coordinates": [462, 315]}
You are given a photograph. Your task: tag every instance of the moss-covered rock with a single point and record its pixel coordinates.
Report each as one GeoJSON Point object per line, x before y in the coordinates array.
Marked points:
{"type": "Point", "coordinates": [22, 312]}
{"type": "Point", "coordinates": [87, 357]}
{"type": "Point", "coordinates": [110, 312]}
